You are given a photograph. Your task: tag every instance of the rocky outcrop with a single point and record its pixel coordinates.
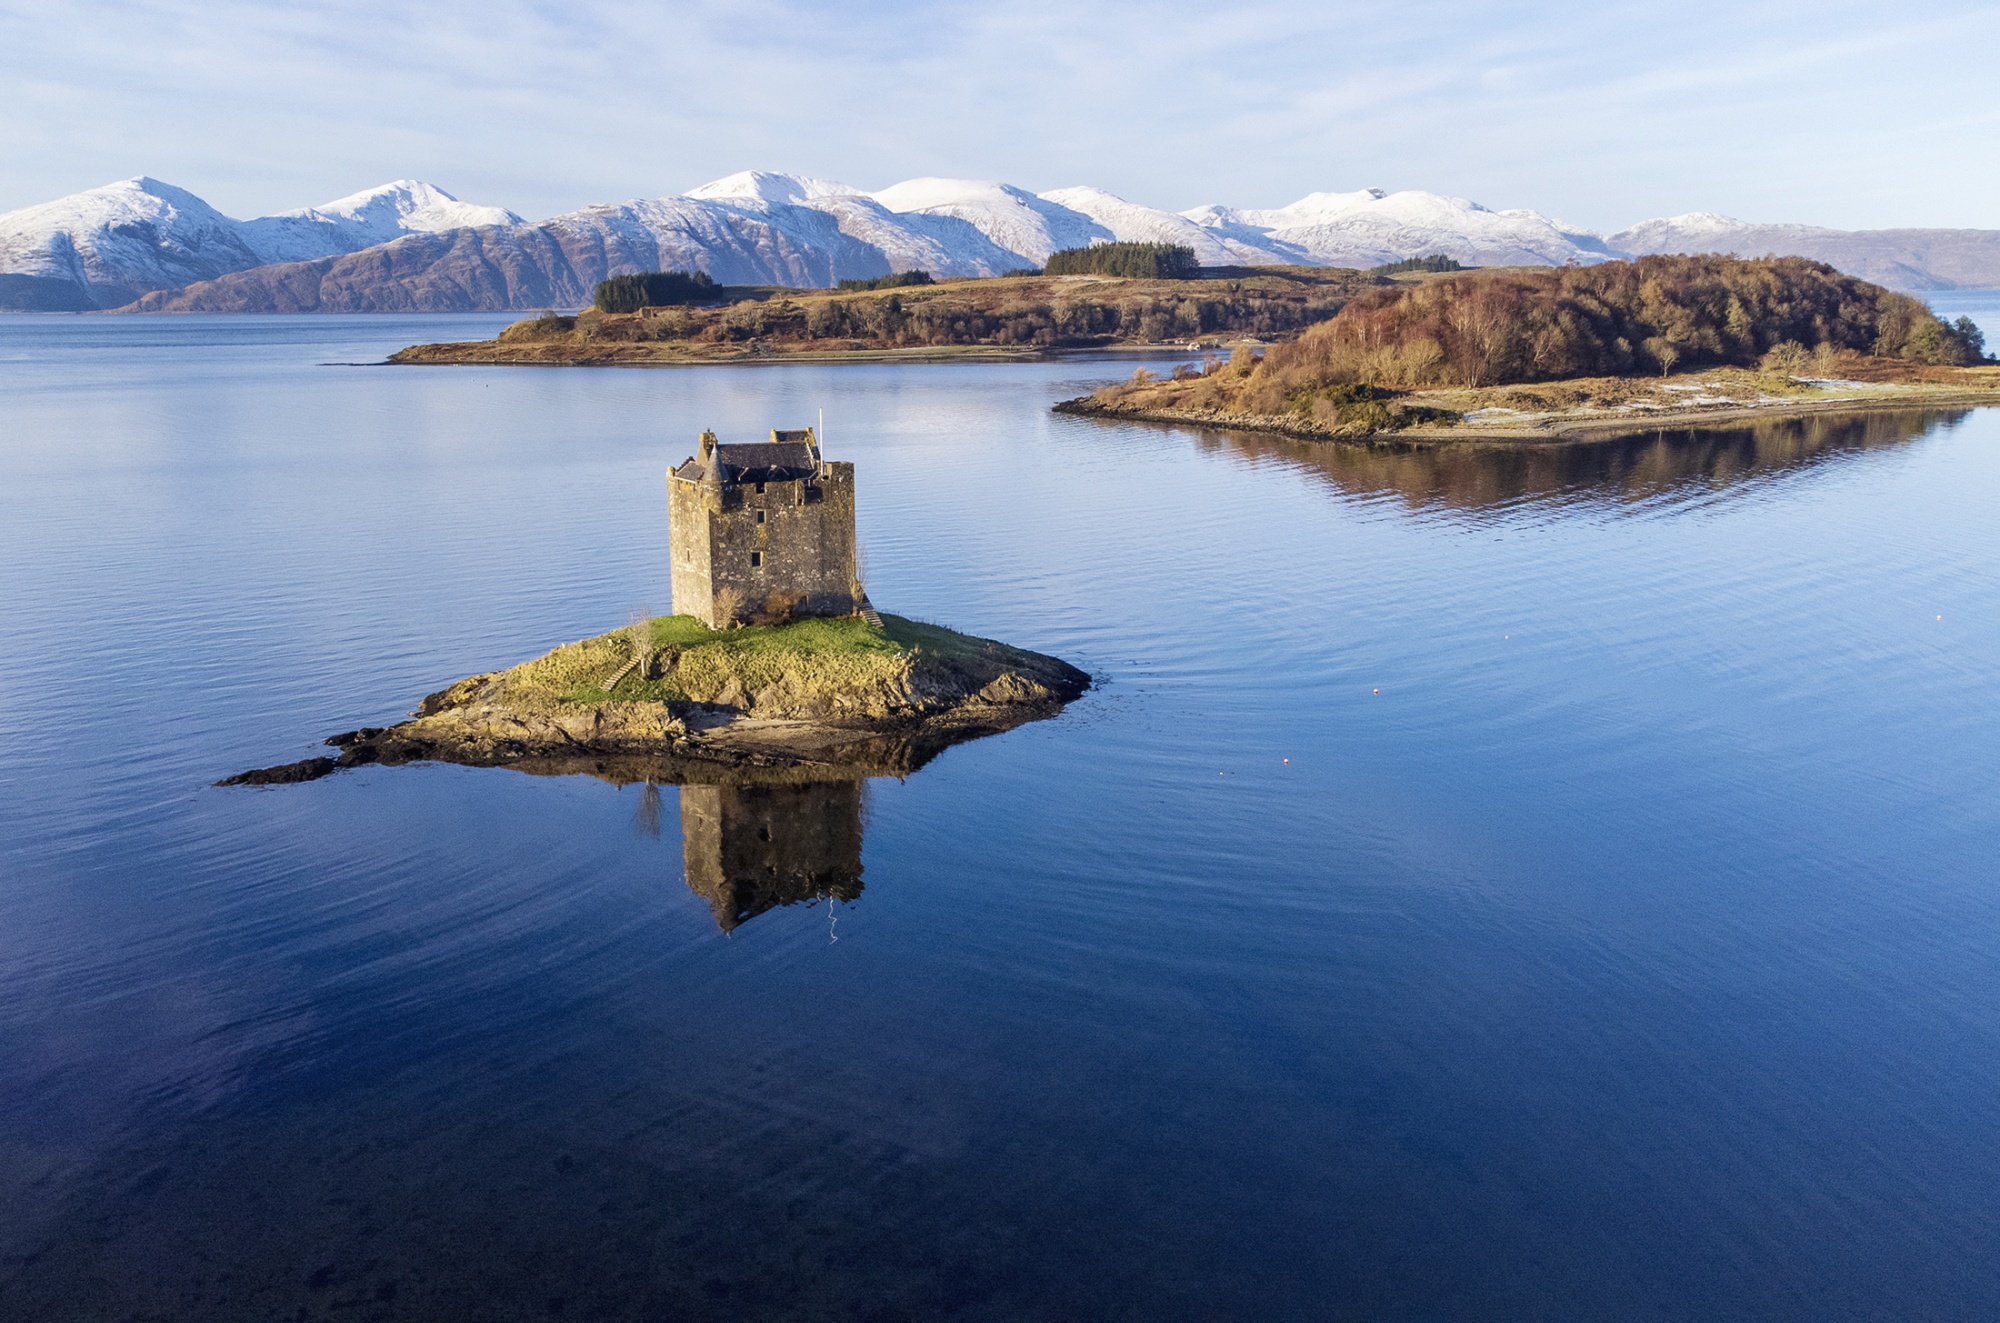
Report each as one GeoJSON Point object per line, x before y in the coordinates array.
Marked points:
{"type": "Point", "coordinates": [728, 712]}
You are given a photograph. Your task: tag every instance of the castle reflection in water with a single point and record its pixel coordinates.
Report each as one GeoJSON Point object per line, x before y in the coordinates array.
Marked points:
{"type": "Point", "coordinates": [751, 848]}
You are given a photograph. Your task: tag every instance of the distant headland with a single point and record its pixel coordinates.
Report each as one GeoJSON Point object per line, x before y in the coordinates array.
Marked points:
{"type": "Point", "coordinates": [1526, 354]}
{"type": "Point", "coordinates": [1114, 296]}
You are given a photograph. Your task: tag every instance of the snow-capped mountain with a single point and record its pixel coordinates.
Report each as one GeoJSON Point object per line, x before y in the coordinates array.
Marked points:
{"type": "Point", "coordinates": [362, 220]}
{"type": "Point", "coordinates": [759, 227]}
{"type": "Point", "coordinates": [1134, 222]}
{"type": "Point", "coordinates": [1370, 227]}
{"type": "Point", "coordinates": [410, 247]}
{"type": "Point", "coordinates": [874, 237]}
{"type": "Point", "coordinates": [106, 246]}
{"type": "Point", "coordinates": [1901, 259]}
{"type": "Point", "coordinates": [1666, 234]}
{"type": "Point", "coordinates": [1025, 225]}
{"type": "Point", "coordinates": [1323, 229]}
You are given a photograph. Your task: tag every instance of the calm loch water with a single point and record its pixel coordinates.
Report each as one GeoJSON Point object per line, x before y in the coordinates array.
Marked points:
{"type": "Point", "coordinates": [1550, 885]}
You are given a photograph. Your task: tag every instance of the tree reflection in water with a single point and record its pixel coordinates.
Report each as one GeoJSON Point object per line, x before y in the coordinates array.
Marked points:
{"type": "Point", "coordinates": [646, 818]}
{"type": "Point", "coordinates": [1662, 464]}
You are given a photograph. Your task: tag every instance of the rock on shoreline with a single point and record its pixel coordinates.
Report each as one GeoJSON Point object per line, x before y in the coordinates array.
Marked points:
{"type": "Point", "coordinates": [1554, 412]}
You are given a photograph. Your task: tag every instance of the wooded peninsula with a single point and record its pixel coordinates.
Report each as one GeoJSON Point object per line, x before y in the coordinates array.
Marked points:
{"type": "Point", "coordinates": [1005, 317]}
{"type": "Point", "coordinates": [1416, 351]}
{"type": "Point", "coordinates": [1555, 352]}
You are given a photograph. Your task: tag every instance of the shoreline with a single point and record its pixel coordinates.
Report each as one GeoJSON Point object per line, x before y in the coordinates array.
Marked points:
{"type": "Point", "coordinates": [1547, 429]}
{"type": "Point", "coordinates": [697, 745]}
{"type": "Point", "coordinates": [617, 355]}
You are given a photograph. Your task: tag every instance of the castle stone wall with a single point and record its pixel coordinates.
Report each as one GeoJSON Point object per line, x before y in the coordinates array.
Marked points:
{"type": "Point", "coordinates": [687, 527]}
{"type": "Point", "coordinates": [728, 561]}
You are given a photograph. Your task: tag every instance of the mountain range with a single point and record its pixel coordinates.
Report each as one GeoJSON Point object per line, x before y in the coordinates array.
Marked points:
{"type": "Point", "coordinates": [106, 246]}
{"type": "Point", "coordinates": [411, 247]}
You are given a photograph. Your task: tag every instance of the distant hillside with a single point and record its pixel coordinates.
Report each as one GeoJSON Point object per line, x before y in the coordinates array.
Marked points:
{"type": "Point", "coordinates": [514, 267]}
{"type": "Point", "coordinates": [1909, 259]}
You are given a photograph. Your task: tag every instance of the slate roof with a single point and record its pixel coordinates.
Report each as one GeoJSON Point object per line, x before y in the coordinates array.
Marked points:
{"type": "Point", "coordinates": [787, 457]}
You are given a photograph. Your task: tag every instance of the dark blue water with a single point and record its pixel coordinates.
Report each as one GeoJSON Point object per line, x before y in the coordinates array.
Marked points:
{"type": "Point", "coordinates": [1620, 940]}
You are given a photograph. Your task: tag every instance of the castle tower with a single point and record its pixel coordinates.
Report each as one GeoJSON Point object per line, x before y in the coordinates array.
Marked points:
{"type": "Point", "coordinates": [762, 525]}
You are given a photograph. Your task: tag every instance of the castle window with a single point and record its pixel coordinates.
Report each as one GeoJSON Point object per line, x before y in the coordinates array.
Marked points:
{"type": "Point", "coordinates": [756, 559]}
{"type": "Point", "coordinates": [760, 516]}
{"type": "Point", "coordinates": [760, 489]}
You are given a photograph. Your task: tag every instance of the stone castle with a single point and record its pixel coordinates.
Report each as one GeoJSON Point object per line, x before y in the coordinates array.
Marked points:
{"type": "Point", "coordinates": [763, 529]}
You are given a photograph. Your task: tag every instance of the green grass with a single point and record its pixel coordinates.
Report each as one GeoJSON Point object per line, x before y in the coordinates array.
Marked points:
{"type": "Point", "coordinates": [817, 654]}
{"type": "Point", "coordinates": [915, 635]}
{"type": "Point", "coordinates": [815, 634]}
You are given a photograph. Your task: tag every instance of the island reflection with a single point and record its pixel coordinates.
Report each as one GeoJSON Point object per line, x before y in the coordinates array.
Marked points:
{"type": "Point", "coordinates": [1639, 467]}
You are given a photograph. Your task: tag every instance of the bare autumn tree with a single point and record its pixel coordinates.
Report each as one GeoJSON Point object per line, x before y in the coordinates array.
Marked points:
{"type": "Point", "coordinates": [860, 585]}
{"type": "Point", "coordinates": [639, 630]}
{"type": "Point", "coordinates": [1506, 326]}
{"type": "Point", "coordinates": [1788, 357]}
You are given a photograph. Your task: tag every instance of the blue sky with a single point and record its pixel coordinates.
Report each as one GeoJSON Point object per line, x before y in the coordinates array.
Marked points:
{"type": "Point", "coordinates": [1833, 113]}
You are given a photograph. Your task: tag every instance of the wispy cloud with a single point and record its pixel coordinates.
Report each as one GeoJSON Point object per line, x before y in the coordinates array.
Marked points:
{"type": "Point", "coordinates": [1836, 112]}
